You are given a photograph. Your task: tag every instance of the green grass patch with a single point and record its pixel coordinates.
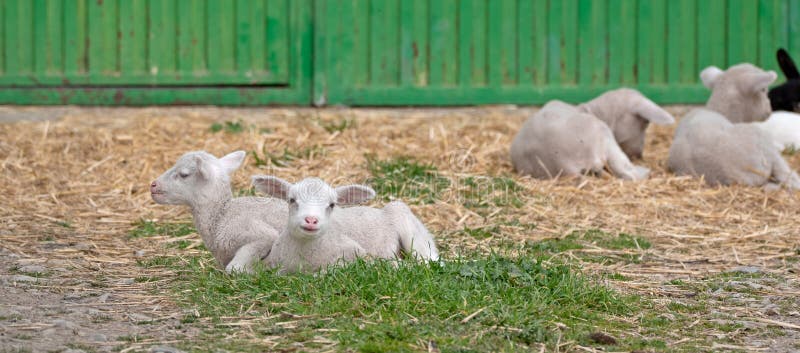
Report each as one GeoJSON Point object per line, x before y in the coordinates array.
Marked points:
{"type": "Point", "coordinates": [287, 156]}
{"type": "Point", "coordinates": [579, 240]}
{"type": "Point", "coordinates": [405, 179]}
{"type": "Point", "coordinates": [383, 306]}
{"type": "Point", "coordinates": [337, 125]}
{"type": "Point", "coordinates": [484, 193]}
{"type": "Point", "coordinates": [145, 228]}
{"type": "Point", "coordinates": [231, 127]}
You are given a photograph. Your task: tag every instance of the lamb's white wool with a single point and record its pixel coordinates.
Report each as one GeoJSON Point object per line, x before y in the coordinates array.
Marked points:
{"type": "Point", "coordinates": [237, 231]}
{"type": "Point", "coordinates": [707, 144]}
{"type": "Point", "coordinates": [562, 140]}
{"type": "Point", "coordinates": [740, 92]}
{"type": "Point", "coordinates": [320, 232]}
{"type": "Point", "coordinates": [628, 113]}
{"type": "Point", "coordinates": [783, 129]}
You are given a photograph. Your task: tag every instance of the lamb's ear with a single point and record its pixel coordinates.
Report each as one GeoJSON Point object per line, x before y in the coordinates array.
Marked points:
{"type": "Point", "coordinates": [232, 161]}
{"type": "Point", "coordinates": [353, 194]}
{"type": "Point", "coordinates": [272, 186]}
{"type": "Point", "coordinates": [758, 81]}
{"type": "Point", "coordinates": [204, 169]}
{"type": "Point", "coordinates": [710, 75]}
{"type": "Point", "coordinates": [651, 112]}
{"type": "Point", "coordinates": [787, 64]}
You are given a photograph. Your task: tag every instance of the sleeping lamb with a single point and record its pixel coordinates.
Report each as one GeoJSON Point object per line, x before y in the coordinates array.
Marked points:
{"type": "Point", "coordinates": [708, 144]}
{"type": "Point", "coordinates": [561, 139]}
{"type": "Point", "coordinates": [238, 231]}
{"type": "Point", "coordinates": [319, 232]}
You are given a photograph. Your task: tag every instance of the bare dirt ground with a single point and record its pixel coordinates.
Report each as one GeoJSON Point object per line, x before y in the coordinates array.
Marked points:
{"type": "Point", "coordinates": [75, 183]}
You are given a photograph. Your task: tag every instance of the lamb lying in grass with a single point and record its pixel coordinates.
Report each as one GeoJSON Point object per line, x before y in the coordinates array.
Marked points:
{"type": "Point", "coordinates": [707, 144]}
{"type": "Point", "coordinates": [319, 232]}
{"type": "Point", "coordinates": [561, 139]}
{"type": "Point", "coordinates": [238, 231]}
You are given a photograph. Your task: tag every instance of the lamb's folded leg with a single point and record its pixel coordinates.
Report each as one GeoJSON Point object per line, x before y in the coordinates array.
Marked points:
{"type": "Point", "coordinates": [620, 165]}
{"type": "Point", "coordinates": [247, 255]}
{"type": "Point", "coordinates": [783, 174]}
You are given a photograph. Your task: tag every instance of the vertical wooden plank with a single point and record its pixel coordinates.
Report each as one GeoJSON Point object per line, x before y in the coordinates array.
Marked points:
{"type": "Point", "coordinates": [555, 39]}
{"type": "Point", "coordinates": [466, 47]}
{"type": "Point", "coordinates": [133, 39]}
{"type": "Point", "coordinates": [40, 40]}
{"type": "Point", "coordinates": [421, 46]}
{"type": "Point", "coordinates": [478, 45]}
{"type": "Point", "coordinates": [241, 22]}
{"type": "Point", "coordinates": [3, 51]}
{"type": "Point", "coordinates": [569, 23]}
{"type": "Point", "coordinates": [539, 37]}
{"type": "Point", "coordinates": [407, 45]}
{"type": "Point", "coordinates": [103, 53]}
{"type": "Point", "coordinates": [220, 47]}
{"type": "Point", "coordinates": [361, 66]}
{"type": "Point", "coordinates": [278, 13]}
{"type": "Point", "coordinates": [713, 48]}
{"type": "Point", "coordinates": [443, 41]}
{"type": "Point", "coordinates": [651, 66]}
{"type": "Point", "coordinates": [794, 29]}
{"type": "Point", "coordinates": [768, 33]}
{"type": "Point", "coordinates": [54, 53]}
{"type": "Point", "coordinates": [681, 44]}
{"type": "Point", "coordinates": [622, 32]}
{"type": "Point", "coordinates": [258, 35]}
{"type": "Point", "coordinates": [75, 37]}
{"type": "Point", "coordinates": [385, 40]}
{"type": "Point", "coordinates": [19, 36]}
{"type": "Point", "coordinates": [190, 33]}
{"type": "Point", "coordinates": [742, 14]}
{"type": "Point", "coordinates": [592, 54]}
{"type": "Point", "coordinates": [509, 39]}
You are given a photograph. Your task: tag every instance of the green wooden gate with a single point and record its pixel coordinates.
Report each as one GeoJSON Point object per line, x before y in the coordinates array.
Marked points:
{"type": "Point", "coordinates": [377, 52]}
{"type": "Point", "coordinates": [155, 51]}
{"type": "Point", "coordinates": [435, 52]}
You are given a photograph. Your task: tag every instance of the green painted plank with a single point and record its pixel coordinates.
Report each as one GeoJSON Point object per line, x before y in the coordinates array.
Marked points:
{"type": "Point", "coordinates": [361, 65]}
{"type": "Point", "coordinates": [190, 38]}
{"type": "Point", "coordinates": [384, 53]}
{"type": "Point", "coordinates": [569, 24]}
{"type": "Point", "coordinates": [3, 51]}
{"type": "Point", "coordinates": [794, 28]}
{"type": "Point", "coordinates": [712, 36]}
{"type": "Point", "coordinates": [278, 11]}
{"type": "Point", "coordinates": [555, 39]}
{"type": "Point", "coordinates": [76, 59]}
{"type": "Point", "coordinates": [407, 44]}
{"type": "Point", "coordinates": [443, 42]}
{"type": "Point", "coordinates": [220, 46]}
{"type": "Point", "coordinates": [340, 26]}
{"type": "Point", "coordinates": [681, 43]}
{"type": "Point", "coordinates": [243, 35]}
{"type": "Point", "coordinates": [652, 63]}
{"type": "Point", "coordinates": [420, 28]}
{"type": "Point", "coordinates": [133, 39]}
{"type": "Point", "coordinates": [768, 33]}
{"type": "Point", "coordinates": [258, 37]}
{"type": "Point", "coordinates": [622, 34]}
{"type": "Point", "coordinates": [40, 39]}
{"type": "Point", "coordinates": [103, 32]}
{"type": "Point", "coordinates": [539, 37]}
{"type": "Point", "coordinates": [512, 94]}
{"type": "Point", "coordinates": [742, 14]}
{"type": "Point", "coordinates": [526, 42]}
{"type": "Point", "coordinates": [19, 36]}
{"type": "Point", "coordinates": [592, 53]}
{"type": "Point", "coordinates": [149, 96]}
{"type": "Point", "coordinates": [162, 48]}
{"type": "Point", "coordinates": [48, 27]}
{"type": "Point", "coordinates": [478, 44]}
{"type": "Point", "coordinates": [509, 40]}
{"type": "Point", "coordinates": [465, 47]}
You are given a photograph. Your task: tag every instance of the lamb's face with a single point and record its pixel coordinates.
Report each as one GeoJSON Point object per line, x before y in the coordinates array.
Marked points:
{"type": "Point", "coordinates": [195, 177]}
{"type": "Point", "coordinates": [311, 202]}
{"type": "Point", "coordinates": [630, 134]}
{"type": "Point", "coordinates": [739, 93]}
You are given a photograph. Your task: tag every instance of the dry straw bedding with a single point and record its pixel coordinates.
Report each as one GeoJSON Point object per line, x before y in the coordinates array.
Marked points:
{"type": "Point", "coordinates": [92, 169]}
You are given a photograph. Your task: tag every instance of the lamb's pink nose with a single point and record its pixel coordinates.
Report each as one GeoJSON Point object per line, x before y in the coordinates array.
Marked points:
{"type": "Point", "coordinates": [312, 220]}
{"type": "Point", "coordinates": [153, 187]}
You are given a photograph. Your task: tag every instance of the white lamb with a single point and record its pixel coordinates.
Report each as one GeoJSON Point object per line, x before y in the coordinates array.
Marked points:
{"type": "Point", "coordinates": [707, 144]}
{"type": "Point", "coordinates": [319, 232]}
{"type": "Point", "coordinates": [561, 139]}
{"type": "Point", "coordinates": [238, 231]}
{"type": "Point", "coordinates": [784, 130]}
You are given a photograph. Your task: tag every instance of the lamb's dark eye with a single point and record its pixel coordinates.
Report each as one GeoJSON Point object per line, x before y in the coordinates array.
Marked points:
{"type": "Point", "coordinates": [331, 205]}
{"type": "Point", "coordinates": [183, 175]}
{"type": "Point", "coordinates": [292, 201]}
